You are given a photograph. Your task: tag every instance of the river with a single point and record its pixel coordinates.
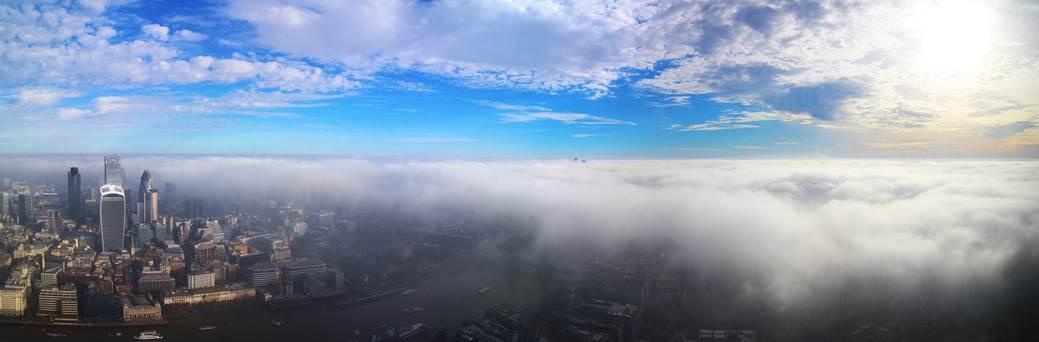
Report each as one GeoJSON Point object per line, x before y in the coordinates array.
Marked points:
{"type": "Point", "coordinates": [448, 299]}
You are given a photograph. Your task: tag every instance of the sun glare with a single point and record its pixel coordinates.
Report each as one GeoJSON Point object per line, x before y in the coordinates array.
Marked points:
{"type": "Point", "coordinates": [954, 37]}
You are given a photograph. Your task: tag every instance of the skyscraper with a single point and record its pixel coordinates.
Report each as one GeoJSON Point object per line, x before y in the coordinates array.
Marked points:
{"type": "Point", "coordinates": [146, 185]}
{"type": "Point", "coordinates": [25, 214]}
{"type": "Point", "coordinates": [75, 198]}
{"type": "Point", "coordinates": [169, 193]}
{"type": "Point", "coordinates": [151, 206]}
{"type": "Point", "coordinates": [5, 203]}
{"type": "Point", "coordinates": [113, 217]}
{"type": "Point", "coordinates": [140, 207]}
{"type": "Point", "coordinates": [113, 170]}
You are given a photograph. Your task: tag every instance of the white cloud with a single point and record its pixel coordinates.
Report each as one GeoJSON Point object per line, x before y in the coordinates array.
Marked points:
{"type": "Point", "coordinates": [255, 103]}
{"type": "Point", "coordinates": [42, 96]}
{"type": "Point", "coordinates": [743, 120]}
{"type": "Point", "coordinates": [793, 232]}
{"type": "Point", "coordinates": [509, 107]}
{"type": "Point", "coordinates": [190, 36]}
{"type": "Point", "coordinates": [156, 31]}
{"type": "Point", "coordinates": [672, 101]}
{"type": "Point", "coordinates": [108, 105]}
{"type": "Point", "coordinates": [418, 87]}
{"type": "Point", "coordinates": [541, 45]}
{"type": "Point", "coordinates": [77, 47]}
{"type": "Point", "coordinates": [564, 117]}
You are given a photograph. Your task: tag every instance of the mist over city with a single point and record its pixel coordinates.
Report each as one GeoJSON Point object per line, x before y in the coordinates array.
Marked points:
{"type": "Point", "coordinates": [785, 243]}
{"type": "Point", "coordinates": [519, 170]}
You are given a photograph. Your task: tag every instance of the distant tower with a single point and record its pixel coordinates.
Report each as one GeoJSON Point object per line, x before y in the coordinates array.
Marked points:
{"type": "Point", "coordinates": [113, 170]}
{"type": "Point", "coordinates": [25, 214]}
{"type": "Point", "coordinates": [169, 193]}
{"type": "Point", "coordinates": [140, 208]}
{"type": "Point", "coordinates": [146, 185]}
{"type": "Point", "coordinates": [75, 197]}
{"type": "Point", "coordinates": [113, 217]}
{"type": "Point", "coordinates": [151, 206]}
{"type": "Point", "coordinates": [5, 203]}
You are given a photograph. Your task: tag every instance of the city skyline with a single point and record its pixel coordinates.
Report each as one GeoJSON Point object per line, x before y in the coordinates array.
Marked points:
{"type": "Point", "coordinates": [519, 170]}
{"type": "Point", "coordinates": [615, 80]}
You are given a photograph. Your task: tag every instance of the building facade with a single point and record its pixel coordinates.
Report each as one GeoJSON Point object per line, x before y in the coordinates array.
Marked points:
{"type": "Point", "coordinates": [201, 279]}
{"type": "Point", "coordinates": [74, 196]}
{"type": "Point", "coordinates": [151, 206]}
{"type": "Point", "coordinates": [264, 275]}
{"type": "Point", "coordinates": [141, 308]}
{"type": "Point", "coordinates": [154, 281]}
{"type": "Point", "coordinates": [113, 171]}
{"type": "Point", "coordinates": [209, 295]}
{"type": "Point", "coordinates": [59, 303]}
{"type": "Point", "coordinates": [113, 218]}
{"type": "Point", "coordinates": [14, 300]}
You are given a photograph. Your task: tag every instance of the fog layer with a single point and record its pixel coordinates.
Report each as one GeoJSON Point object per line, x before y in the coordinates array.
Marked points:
{"type": "Point", "coordinates": [794, 228]}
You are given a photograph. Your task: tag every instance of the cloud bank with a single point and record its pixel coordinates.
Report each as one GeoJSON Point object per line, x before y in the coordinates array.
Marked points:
{"type": "Point", "coordinates": [797, 231]}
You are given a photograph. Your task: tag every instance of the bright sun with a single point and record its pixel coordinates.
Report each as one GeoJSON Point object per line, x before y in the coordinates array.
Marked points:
{"type": "Point", "coordinates": [954, 37]}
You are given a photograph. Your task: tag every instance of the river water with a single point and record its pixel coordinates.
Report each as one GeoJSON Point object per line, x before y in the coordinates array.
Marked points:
{"type": "Point", "coordinates": [448, 299]}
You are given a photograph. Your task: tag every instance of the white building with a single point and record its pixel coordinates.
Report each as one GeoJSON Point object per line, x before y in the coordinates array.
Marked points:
{"type": "Point", "coordinates": [202, 279]}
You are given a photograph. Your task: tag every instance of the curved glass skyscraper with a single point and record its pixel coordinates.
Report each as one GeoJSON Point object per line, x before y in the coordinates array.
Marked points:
{"type": "Point", "coordinates": [113, 217]}
{"type": "Point", "coordinates": [146, 185]}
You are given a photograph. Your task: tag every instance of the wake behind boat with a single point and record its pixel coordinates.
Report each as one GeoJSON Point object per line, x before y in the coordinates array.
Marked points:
{"type": "Point", "coordinates": [150, 335]}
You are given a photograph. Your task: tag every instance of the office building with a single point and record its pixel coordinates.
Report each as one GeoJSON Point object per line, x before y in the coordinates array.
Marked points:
{"type": "Point", "coordinates": [14, 300]}
{"type": "Point", "coordinates": [201, 279]}
{"type": "Point", "coordinates": [300, 229]}
{"type": "Point", "coordinates": [264, 275]}
{"type": "Point", "coordinates": [208, 253]}
{"type": "Point", "coordinates": [298, 269]}
{"type": "Point", "coordinates": [169, 193]}
{"type": "Point", "coordinates": [113, 218]}
{"type": "Point", "coordinates": [139, 205]}
{"type": "Point", "coordinates": [146, 184]}
{"type": "Point", "coordinates": [74, 196]}
{"type": "Point", "coordinates": [5, 203]}
{"type": "Point", "coordinates": [49, 275]}
{"type": "Point", "coordinates": [230, 294]}
{"type": "Point", "coordinates": [59, 303]}
{"type": "Point", "coordinates": [327, 219]}
{"type": "Point", "coordinates": [141, 308]}
{"type": "Point", "coordinates": [25, 209]}
{"type": "Point", "coordinates": [113, 171]}
{"type": "Point", "coordinates": [214, 231]}
{"type": "Point", "coordinates": [151, 206]}
{"type": "Point", "coordinates": [154, 281]}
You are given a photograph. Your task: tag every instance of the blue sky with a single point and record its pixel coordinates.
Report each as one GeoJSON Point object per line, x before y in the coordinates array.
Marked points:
{"type": "Point", "coordinates": [483, 78]}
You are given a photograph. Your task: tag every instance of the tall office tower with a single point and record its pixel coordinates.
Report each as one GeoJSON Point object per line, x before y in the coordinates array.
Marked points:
{"type": "Point", "coordinates": [151, 206]}
{"type": "Point", "coordinates": [113, 217]}
{"type": "Point", "coordinates": [131, 208]}
{"type": "Point", "coordinates": [169, 193]}
{"type": "Point", "coordinates": [25, 214]}
{"type": "Point", "coordinates": [75, 198]}
{"type": "Point", "coordinates": [140, 207]}
{"type": "Point", "coordinates": [5, 203]}
{"type": "Point", "coordinates": [113, 170]}
{"type": "Point", "coordinates": [146, 185]}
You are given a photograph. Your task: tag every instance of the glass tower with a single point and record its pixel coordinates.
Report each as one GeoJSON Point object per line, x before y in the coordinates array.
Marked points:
{"type": "Point", "coordinates": [146, 185]}
{"type": "Point", "coordinates": [113, 218]}
{"type": "Point", "coordinates": [113, 170]}
{"type": "Point", "coordinates": [75, 197]}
